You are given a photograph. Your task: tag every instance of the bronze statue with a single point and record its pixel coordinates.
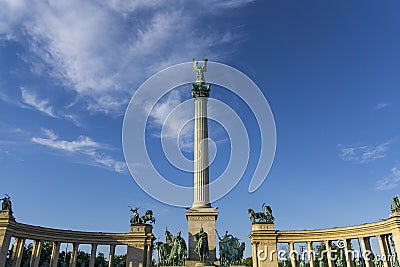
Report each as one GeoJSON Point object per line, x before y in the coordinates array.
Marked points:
{"type": "Point", "coordinates": [265, 216]}
{"type": "Point", "coordinates": [201, 248]}
{"type": "Point", "coordinates": [148, 216]}
{"type": "Point", "coordinates": [395, 204]}
{"type": "Point", "coordinates": [230, 250]}
{"type": "Point", "coordinates": [6, 204]}
{"type": "Point", "coordinates": [174, 251]}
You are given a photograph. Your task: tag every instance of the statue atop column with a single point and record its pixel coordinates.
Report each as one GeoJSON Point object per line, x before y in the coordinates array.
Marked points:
{"type": "Point", "coordinates": [265, 216]}
{"type": "Point", "coordinates": [147, 217]}
{"type": "Point", "coordinates": [201, 249]}
{"type": "Point", "coordinates": [6, 204]}
{"type": "Point", "coordinates": [200, 70]}
{"type": "Point", "coordinates": [200, 88]}
{"type": "Point", "coordinates": [395, 207]}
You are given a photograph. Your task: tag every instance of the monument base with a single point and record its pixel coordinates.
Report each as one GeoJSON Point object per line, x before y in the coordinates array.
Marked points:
{"type": "Point", "coordinates": [201, 218]}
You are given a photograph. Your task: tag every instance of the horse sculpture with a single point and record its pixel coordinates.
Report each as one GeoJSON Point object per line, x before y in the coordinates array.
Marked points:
{"type": "Point", "coordinates": [264, 216]}
{"type": "Point", "coordinates": [173, 252]}
{"type": "Point", "coordinates": [148, 216]}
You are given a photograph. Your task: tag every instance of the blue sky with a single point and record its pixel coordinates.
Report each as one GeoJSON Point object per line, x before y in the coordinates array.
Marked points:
{"type": "Point", "coordinates": [329, 70]}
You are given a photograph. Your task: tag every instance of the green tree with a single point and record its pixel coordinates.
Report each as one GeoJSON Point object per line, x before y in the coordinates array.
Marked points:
{"type": "Point", "coordinates": [248, 261]}
{"type": "Point", "coordinates": [45, 254]}
{"type": "Point", "coordinates": [120, 260]}
{"type": "Point", "coordinates": [82, 259]}
{"type": "Point", "coordinates": [101, 260]}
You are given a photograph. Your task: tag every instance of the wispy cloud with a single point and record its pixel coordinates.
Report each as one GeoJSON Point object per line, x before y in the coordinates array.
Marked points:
{"type": "Point", "coordinates": [381, 105]}
{"type": "Point", "coordinates": [389, 182]}
{"type": "Point", "coordinates": [102, 50]}
{"type": "Point", "coordinates": [82, 145]}
{"type": "Point", "coordinates": [364, 153]}
{"type": "Point", "coordinates": [175, 124]}
{"type": "Point", "coordinates": [33, 101]}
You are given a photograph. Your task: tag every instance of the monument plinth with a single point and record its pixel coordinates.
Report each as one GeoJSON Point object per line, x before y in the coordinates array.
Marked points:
{"type": "Point", "coordinates": [201, 215]}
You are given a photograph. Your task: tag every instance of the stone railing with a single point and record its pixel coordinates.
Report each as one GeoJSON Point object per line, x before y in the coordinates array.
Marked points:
{"type": "Point", "coordinates": [139, 242]}
{"type": "Point", "coordinates": [265, 239]}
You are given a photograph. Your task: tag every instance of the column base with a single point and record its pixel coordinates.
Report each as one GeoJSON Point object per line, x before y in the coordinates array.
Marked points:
{"type": "Point", "coordinates": [197, 218]}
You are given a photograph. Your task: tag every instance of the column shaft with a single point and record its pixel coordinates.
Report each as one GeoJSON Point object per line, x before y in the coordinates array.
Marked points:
{"type": "Point", "coordinates": [201, 171]}
{"type": "Point", "coordinates": [366, 251]}
{"type": "Point", "coordinates": [74, 254]}
{"type": "Point", "coordinates": [311, 253]}
{"type": "Point", "coordinates": [329, 253]}
{"type": "Point", "coordinates": [149, 257]}
{"type": "Point", "coordinates": [5, 239]}
{"type": "Point", "coordinates": [93, 255]}
{"type": "Point", "coordinates": [111, 256]}
{"type": "Point", "coordinates": [292, 254]}
{"type": "Point", "coordinates": [348, 253]}
{"type": "Point", "coordinates": [384, 250]}
{"type": "Point", "coordinates": [17, 251]}
{"type": "Point", "coordinates": [55, 251]}
{"type": "Point", "coordinates": [37, 249]}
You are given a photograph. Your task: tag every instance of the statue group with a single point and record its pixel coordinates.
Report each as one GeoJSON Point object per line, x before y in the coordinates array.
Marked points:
{"type": "Point", "coordinates": [147, 217]}
{"type": "Point", "coordinates": [265, 216]}
{"type": "Point", "coordinates": [173, 252]}
{"type": "Point", "coordinates": [230, 250]}
{"type": "Point", "coordinates": [6, 204]}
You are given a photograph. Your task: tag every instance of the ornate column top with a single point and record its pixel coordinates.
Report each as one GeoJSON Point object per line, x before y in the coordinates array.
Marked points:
{"type": "Point", "coordinates": [200, 88]}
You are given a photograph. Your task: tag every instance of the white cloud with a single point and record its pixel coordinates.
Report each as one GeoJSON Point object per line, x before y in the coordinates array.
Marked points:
{"type": "Point", "coordinates": [103, 50]}
{"type": "Point", "coordinates": [82, 145]}
{"type": "Point", "coordinates": [177, 124]}
{"type": "Point", "coordinates": [381, 105]}
{"type": "Point", "coordinates": [361, 154]}
{"type": "Point", "coordinates": [33, 101]}
{"type": "Point", "coordinates": [389, 182]}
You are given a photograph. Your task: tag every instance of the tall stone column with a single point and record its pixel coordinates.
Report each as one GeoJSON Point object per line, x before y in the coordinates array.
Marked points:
{"type": "Point", "coordinates": [201, 171]}
{"type": "Point", "coordinates": [17, 251]}
{"type": "Point", "coordinates": [201, 215]}
{"type": "Point", "coordinates": [5, 235]}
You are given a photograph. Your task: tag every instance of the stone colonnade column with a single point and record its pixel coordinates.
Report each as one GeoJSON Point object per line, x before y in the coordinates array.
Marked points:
{"type": "Point", "coordinates": [311, 253]}
{"type": "Point", "coordinates": [292, 254]}
{"type": "Point", "coordinates": [55, 250]}
{"type": "Point", "coordinates": [348, 253]}
{"type": "Point", "coordinates": [149, 256]}
{"type": "Point", "coordinates": [93, 255]}
{"type": "Point", "coordinates": [366, 251]}
{"type": "Point", "coordinates": [383, 247]}
{"type": "Point", "coordinates": [17, 252]}
{"type": "Point", "coordinates": [111, 256]}
{"type": "Point", "coordinates": [5, 235]}
{"type": "Point", "coordinates": [37, 249]}
{"type": "Point", "coordinates": [329, 253]}
{"type": "Point", "coordinates": [74, 254]}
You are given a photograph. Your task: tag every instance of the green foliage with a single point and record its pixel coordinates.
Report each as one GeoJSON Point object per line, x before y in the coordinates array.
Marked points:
{"type": "Point", "coordinates": [248, 261]}
{"type": "Point", "coordinates": [82, 259]}
{"type": "Point", "coordinates": [101, 260]}
{"type": "Point", "coordinates": [120, 260]}
{"type": "Point", "coordinates": [45, 254]}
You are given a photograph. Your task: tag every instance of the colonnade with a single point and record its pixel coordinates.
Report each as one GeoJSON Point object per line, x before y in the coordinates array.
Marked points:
{"type": "Point", "coordinates": [265, 240]}
{"type": "Point", "coordinates": [139, 243]}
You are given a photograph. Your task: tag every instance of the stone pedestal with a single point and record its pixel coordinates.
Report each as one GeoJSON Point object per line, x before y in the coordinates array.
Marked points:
{"type": "Point", "coordinates": [264, 245]}
{"type": "Point", "coordinates": [139, 245]}
{"type": "Point", "coordinates": [197, 218]}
